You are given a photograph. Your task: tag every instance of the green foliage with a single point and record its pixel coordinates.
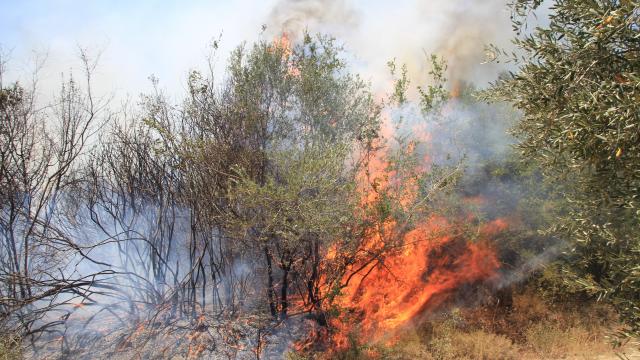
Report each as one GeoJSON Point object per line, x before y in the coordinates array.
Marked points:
{"type": "Point", "coordinates": [276, 147]}
{"type": "Point", "coordinates": [307, 196]}
{"type": "Point", "coordinates": [430, 97]}
{"type": "Point", "coordinates": [435, 95]}
{"type": "Point", "coordinates": [578, 87]}
{"type": "Point", "coordinates": [401, 84]}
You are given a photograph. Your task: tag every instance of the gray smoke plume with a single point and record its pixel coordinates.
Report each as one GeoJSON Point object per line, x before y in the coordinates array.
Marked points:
{"type": "Point", "coordinates": [291, 17]}
{"type": "Point", "coordinates": [405, 30]}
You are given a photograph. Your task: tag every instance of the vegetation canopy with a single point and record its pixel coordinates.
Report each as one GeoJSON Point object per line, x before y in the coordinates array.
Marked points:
{"type": "Point", "coordinates": [578, 87]}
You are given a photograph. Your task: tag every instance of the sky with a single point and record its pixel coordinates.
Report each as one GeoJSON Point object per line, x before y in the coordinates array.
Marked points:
{"type": "Point", "coordinates": [167, 39]}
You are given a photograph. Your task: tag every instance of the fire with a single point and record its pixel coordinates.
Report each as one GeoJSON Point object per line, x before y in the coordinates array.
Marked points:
{"type": "Point", "coordinates": [283, 44]}
{"type": "Point", "coordinates": [390, 294]}
{"type": "Point", "coordinates": [405, 271]}
{"type": "Point", "coordinates": [424, 265]}
{"type": "Point", "coordinates": [456, 89]}
{"type": "Point", "coordinates": [196, 350]}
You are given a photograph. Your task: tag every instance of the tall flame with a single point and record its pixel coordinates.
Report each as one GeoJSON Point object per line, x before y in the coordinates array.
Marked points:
{"type": "Point", "coordinates": [392, 293]}
{"type": "Point", "coordinates": [283, 44]}
{"type": "Point", "coordinates": [430, 263]}
{"type": "Point", "coordinates": [395, 285]}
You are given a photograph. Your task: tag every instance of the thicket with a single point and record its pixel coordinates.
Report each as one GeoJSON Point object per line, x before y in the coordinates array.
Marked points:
{"type": "Point", "coordinates": [254, 194]}
{"type": "Point", "coordinates": [227, 203]}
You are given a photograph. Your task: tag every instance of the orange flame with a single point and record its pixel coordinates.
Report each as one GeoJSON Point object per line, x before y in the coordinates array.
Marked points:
{"type": "Point", "coordinates": [283, 43]}
{"type": "Point", "coordinates": [386, 293]}
{"type": "Point", "coordinates": [398, 289]}
{"type": "Point", "coordinates": [456, 89]}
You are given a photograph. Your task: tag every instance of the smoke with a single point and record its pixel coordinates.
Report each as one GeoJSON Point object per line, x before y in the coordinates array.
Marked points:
{"type": "Point", "coordinates": [406, 30]}
{"type": "Point", "coordinates": [139, 266]}
{"type": "Point", "coordinates": [463, 33]}
{"type": "Point", "coordinates": [294, 16]}
{"type": "Point", "coordinates": [462, 130]}
{"type": "Point", "coordinates": [459, 31]}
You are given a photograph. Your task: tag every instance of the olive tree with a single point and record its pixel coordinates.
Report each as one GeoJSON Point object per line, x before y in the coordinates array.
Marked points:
{"type": "Point", "coordinates": [577, 85]}
{"type": "Point", "coordinates": [269, 157]}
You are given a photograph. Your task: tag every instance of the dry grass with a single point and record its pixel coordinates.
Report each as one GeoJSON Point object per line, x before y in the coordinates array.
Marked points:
{"type": "Point", "coordinates": [531, 329]}
{"type": "Point", "coordinates": [10, 347]}
{"type": "Point", "coordinates": [549, 341]}
{"type": "Point", "coordinates": [481, 345]}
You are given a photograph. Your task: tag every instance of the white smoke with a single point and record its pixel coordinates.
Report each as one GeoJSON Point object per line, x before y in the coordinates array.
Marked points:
{"type": "Point", "coordinates": [407, 31]}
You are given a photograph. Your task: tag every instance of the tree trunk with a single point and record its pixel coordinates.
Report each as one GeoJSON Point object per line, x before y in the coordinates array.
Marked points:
{"type": "Point", "coordinates": [284, 290]}
{"type": "Point", "coordinates": [270, 292]}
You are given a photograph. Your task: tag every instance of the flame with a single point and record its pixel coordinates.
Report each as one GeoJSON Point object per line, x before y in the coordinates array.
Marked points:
{"type": "Point", "coordinates": [283, 44]}
{"type": "Point", "coordinates": [387, 291]}
{"type": "Point", "coordinates": [456, 89]}
{"type": "Point", "coordinates": [393, 292]}
{"type": "Point", "coordinates": [197, 342]}
{"type": "Point", "coordinates": [139, 329]}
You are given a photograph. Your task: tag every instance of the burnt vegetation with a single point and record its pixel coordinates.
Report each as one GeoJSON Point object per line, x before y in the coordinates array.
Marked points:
{"type": "Point", "coordinates": [286, 209]}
